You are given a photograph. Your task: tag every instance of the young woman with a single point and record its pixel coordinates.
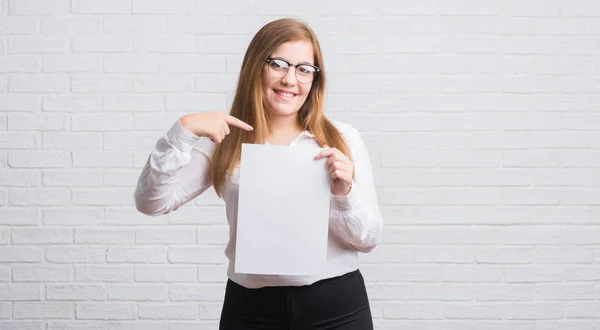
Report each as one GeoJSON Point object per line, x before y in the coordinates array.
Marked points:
{"type": "Point", "coordinates": [279, 101]}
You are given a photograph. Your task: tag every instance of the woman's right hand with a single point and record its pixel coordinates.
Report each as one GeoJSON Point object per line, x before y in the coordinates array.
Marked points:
{"type": "Point", "coordinates": [214, 125]}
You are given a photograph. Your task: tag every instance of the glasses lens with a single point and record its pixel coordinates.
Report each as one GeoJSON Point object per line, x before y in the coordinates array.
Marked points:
{"type": "Point", "coordinates": [305, 73]}
{"type": "Point", "coordinates": [278, 68]}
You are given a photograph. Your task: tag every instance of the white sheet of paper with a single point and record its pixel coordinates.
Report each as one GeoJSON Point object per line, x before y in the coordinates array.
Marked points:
{"type": "Point", "coordinates": [283, 210]}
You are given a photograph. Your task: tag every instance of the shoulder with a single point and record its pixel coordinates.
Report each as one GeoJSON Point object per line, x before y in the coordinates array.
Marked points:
{"type": "Point", "coordinates": [349, 132]}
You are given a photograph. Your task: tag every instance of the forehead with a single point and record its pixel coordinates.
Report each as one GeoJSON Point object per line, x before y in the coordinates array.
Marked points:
{"type": "Point", "coordinates": [295, 51]}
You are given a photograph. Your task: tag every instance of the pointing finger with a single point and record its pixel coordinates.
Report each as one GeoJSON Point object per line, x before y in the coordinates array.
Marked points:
{"type": "Point", "coordinates": [238, 123]}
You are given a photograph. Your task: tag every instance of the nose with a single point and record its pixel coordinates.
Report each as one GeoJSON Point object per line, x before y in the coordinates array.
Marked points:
{"type": "Point", "coordinates": [290, 77]}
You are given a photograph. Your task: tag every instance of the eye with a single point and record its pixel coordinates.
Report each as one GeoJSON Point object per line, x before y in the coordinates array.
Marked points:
{"type": "Point", "coordinates": [306, 69]}
{"type": "Point", "coordinates": [279, 64]}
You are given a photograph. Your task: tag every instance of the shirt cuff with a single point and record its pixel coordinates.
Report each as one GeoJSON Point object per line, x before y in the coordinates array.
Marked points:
{"type": "Point", "coordinates": [181, 138]}
{"type": "Point", "coordinates": [348, 202]}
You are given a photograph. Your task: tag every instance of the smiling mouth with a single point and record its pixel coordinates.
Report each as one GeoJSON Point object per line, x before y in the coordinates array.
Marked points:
{"type": "Point", "coordinates": [284, 94]}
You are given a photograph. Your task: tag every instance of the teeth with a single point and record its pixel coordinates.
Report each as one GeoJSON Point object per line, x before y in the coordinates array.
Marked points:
{"type": "Point", "coordinates": [285, 94]}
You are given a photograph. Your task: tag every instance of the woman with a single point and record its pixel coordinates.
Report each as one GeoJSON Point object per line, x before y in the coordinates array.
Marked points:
{"type": "Point", "coordinates": [279, 100]}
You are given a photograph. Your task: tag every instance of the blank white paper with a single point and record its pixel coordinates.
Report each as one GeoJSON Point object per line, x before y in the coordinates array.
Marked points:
{"type": "Point", "coordinates": [283, 210]}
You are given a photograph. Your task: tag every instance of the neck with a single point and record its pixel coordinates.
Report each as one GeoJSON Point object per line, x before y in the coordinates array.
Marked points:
{"type": "Point", "coordinates": [283, 125]}
{"type": "Point", "coordinates": [283, 129]}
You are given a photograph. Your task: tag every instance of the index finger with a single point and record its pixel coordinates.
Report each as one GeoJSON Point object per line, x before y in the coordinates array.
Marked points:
{"type": "Point", "coordinates": [238, 123]}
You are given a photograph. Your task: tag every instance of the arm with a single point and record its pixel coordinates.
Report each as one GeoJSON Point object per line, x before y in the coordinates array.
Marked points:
{"type": "Point", "coordinates": [356, 217]}
{"type": "Point", "coordinates": [176, 172]}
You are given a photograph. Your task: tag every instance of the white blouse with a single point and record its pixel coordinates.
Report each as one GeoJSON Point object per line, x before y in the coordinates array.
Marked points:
{"type": "Point", "coordinates": [177, 171]}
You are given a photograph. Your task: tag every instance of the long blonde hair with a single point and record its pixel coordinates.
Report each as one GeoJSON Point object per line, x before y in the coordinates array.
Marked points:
{"type": "Point", "coordinates": [249, 105]}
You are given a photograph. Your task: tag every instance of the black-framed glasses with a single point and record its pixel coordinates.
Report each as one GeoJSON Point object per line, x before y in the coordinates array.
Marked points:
{"type": "Point", "coordinates": [279, 67]}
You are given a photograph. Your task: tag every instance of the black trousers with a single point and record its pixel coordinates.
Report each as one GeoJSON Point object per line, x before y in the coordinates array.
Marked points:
{"type": "Point", "coordinates": [338, 303]}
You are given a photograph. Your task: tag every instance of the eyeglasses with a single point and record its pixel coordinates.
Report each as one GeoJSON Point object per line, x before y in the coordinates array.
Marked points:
{"type": "Point", "coordinates": [279, 67]}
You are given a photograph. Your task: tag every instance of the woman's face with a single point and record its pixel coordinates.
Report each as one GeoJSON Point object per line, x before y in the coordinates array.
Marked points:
{"type": "Point", "coordinates": [284, 91]}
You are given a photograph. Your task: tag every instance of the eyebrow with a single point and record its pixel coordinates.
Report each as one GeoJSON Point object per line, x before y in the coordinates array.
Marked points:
{"type": "Point", "coordinates": [285, 59]}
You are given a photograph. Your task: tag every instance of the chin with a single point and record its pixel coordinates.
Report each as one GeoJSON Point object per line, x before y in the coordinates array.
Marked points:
{"type": "Point", "coordinates": [284, 111]}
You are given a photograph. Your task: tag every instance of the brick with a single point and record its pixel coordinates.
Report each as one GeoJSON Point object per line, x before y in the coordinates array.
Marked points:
{"type": "Point", "coordinates": [140, 325]}
{"type": "Point", "coordinates": [101, 159]}
{"type": "Point", "coordinates": [18, 25]}
{"type": "Point", "coordinates": [70, 178]}
{"type": "Point", "coordinates": [20, 292]}
{"type": "Point", "coordinates": [154, 121]}
{"type": "Point", "coordinates": [20, 254]}
{"type": "Point", "coordinates": [415, 311]}
{"type": "Point", "coordinates": [130, 216]}
{"type": "Point", "coordinates": [77, 63]}
{"type": "Point", "coordinates": [101, 273]}
{"type": "Point", "coordinates": [131, 64]}
{"type": "Point", "coordinates": [66, 254]}
{"type": "Point", "coordinates": [180, 24]}
{"type": "Point", "coordinates": [163, 84]}
{"type": "Point", "coordinates": [5, 310]}
{"type": "Point", "coordinates": [19, 63]}
{"type": "Point", "coordinates": [104, 7]}
{"type": "Point", "coordinates": [195, 102]}
{"type": "Point", "coordinates": [137, 255]}
{"type": "Point", "coordinates": [40, 273]}
{"type": "Point", "coordinates": [162, 44]}
{"type": "Point", "coordinates": [162, 7]}
{"type": "Point", "coordinates": [221, 45]}
{"type": "Point", "coordinates": [201, 255]}
{"type": "Point", "coordinates": [70, 26]}
{"type": "Point", "coordinates": [138, 292]}
{"type": "Point", "coordinates": [38, 45]}
{"type": "Point", "coordinates": [101, 122]}
{"type": "Point", "coordinates": [165, 236]}
{"type": "Point", "coordinates": [5, 239]}
{"type": "Point", "coordinates": [35, 7]}
{"type": "Point", "coordinates": [505, 292]}
{"type": "Point", "coordinates": [102, 197]}
{"type": "Point", "coordinates": [76, 292]}
{"type": "Point", "coordinates": [43, 122]}
{"type": "Point", "coordinates": [16, 216]}
{"type": "Point", "coordinates": [563, 254]}
{"type": "Point", "coordinates": [165, 274]}
{"type": "Point", "coordinates": [104, 236]}
{"type": "Point", "coordinates": [46, 159]}
{"type": "Point", "coordinates": [41, 236]}
{"type": "Point", "coordinates": [197, 292]}
{"type": "Point", "coordinates": [101, 44]}
{"type": "Point", "coordinates": [533, 311]}
{"type": "Point", "coordinates": [19, 140]}
{"type": "Point", "coordinates": [183, 63]}
{"type": "Point", "coordinates": [72, 141]}
{"type": "Point", "coordinates": [72, 103]}
{"type": "Point", "coordinates": [18, 102]}
{"type": "Point", "coordinates": [101, 84]}
{"type": "Point", "coordinates": [134, 103]}
{"type": "Point", "coordinates": [215, 83]}
{"type": "Point", "coordinates": [72, 217]}
{"type": "Point", "coordinates": [106, 311]}
{"type": "Point", "coordinates": [473, 311]}
{"type": "Point", "coordinates": [179, 311]}
{"type": "Point", "coordinates": [134, 24]}
{"type": "Point", "coordinates": [37, 83]}
{"type": "Point", "coordinates": [35, 196]}
{"type": "Point", "coordinates": [468, 273]}
{"type": "Point", "coordinates": [24, 325]}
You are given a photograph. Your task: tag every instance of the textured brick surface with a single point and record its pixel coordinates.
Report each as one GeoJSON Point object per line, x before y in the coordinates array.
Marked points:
{"type": "Point", "coordinates": [481, 117]}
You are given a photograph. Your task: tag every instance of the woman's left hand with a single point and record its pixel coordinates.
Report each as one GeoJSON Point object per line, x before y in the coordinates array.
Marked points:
{"type": "Point", "coordinates": [341, 170]}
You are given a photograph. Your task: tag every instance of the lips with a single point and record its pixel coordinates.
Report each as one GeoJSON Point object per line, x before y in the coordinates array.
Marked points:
{"type": "Point", "coordinates": [283, 93]}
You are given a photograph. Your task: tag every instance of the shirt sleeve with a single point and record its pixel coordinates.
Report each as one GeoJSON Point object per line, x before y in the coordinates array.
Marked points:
{"type": "Point", "coordinates": [176, 171]}
{"type": "Point", "coordinates": [356, 217]}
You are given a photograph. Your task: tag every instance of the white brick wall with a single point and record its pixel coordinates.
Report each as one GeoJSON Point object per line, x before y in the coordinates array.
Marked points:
{"type": "Point", "coordinates": [482, 118]}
